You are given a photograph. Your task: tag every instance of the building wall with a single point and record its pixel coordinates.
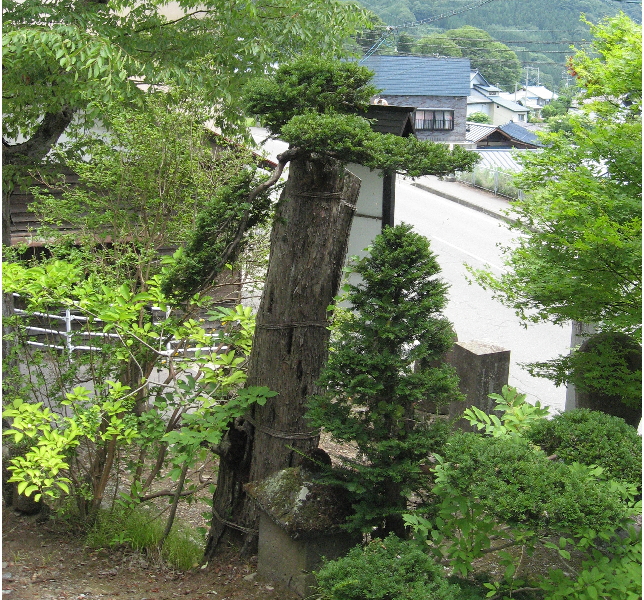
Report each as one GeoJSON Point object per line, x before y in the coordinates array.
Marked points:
{"type": "Point", "coordinates": [501, 115]}
{"type": "Point", "coordinates": [456, 103]}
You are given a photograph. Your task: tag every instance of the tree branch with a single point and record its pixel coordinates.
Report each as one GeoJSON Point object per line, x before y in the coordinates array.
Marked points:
{"type": "Point", "coordinates": [46, 135]}
{"type": "Point", "coordinates": [282, 159]}
{"type": "Point", "coordinates": [173, 492]}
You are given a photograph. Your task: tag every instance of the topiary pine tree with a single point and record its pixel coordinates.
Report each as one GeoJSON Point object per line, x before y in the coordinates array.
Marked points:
{"type": "Point", "coordinates": [373, 379]}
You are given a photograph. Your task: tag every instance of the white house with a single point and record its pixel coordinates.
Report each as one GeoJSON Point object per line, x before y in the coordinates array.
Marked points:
{"type": "Point", "coordinates": [490, 100]}
{"type": "Point", "coordinates": [533, 97]}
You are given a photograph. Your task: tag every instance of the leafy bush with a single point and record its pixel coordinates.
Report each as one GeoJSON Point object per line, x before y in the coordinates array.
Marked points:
{"type": "Point", "coordinates": [517, 414]}
{"type": "Point", "coordinates": [124, 422]}
{"type": "Point", "coordinates": [592, 438]}
{"type": "Point", "coordinates": [517, 484]}
{"type": "Point", "coordinates": [479, 117]}
{"type": "Point", "coordinates": [385, 569]}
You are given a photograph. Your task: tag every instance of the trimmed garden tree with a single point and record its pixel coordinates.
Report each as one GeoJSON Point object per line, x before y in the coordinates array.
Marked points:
{"type": "Point", "coordinates": [385, 360]}
{"type": "Point", "coordinates": [311, 104]}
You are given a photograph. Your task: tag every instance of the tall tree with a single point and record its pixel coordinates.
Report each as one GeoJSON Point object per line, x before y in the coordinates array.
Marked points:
{"type": "Point", "coordinates": [311, 104]}
{"type": "Point", "coordinates": [498, 63]}
{"type": "Point", "coordinates": [438, 44]}
{"type": "Point", "coordinates": [579, 253]}
{"type": "Point", "coordinates": [62, 59]}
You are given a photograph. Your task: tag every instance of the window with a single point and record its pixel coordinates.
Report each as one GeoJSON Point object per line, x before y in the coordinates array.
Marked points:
{"type": "Point", "coordinates": [434, 120]}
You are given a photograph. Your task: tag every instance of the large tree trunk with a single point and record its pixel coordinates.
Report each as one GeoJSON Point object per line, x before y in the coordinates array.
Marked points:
{"type": "Point", "coordinates": [308, 248]}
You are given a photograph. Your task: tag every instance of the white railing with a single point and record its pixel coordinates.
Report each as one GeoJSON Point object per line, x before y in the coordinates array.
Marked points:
{"type": "Point", "coordinates": [68, 332]}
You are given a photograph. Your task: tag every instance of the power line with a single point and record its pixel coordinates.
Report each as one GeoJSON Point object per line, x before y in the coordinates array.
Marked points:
{"type": "Point", "coordinates": [445, 15]}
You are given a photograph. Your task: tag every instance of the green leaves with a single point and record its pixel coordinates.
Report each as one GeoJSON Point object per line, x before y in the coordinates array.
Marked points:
{"type": "Point", "coordinates": [38, 470]}
{"type": "Point", "coordinates": [518, 415]}
{"type": "Point", "coordinates": [577, 255]}
{"type": "Point", "coordinates": [78, 56]}
{"type": "Point", "coordinates": [385, 568]}
{"type": "Point", "coordinates": [309, 85]}
{"type": "Point", "coordinates": [190, 411]}
{"type": "Point", "coordinates": [315, 105]}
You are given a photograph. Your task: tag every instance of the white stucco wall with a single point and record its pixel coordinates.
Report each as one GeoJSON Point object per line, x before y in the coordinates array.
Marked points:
{"type": "Point", "coordinates": [367, 221]}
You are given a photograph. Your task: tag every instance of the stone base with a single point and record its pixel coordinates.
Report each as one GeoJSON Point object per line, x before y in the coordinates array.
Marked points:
{"type": "Point", "coordinates": [292, 561]}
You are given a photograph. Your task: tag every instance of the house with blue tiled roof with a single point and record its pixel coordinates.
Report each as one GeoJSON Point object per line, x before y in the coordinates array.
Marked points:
{"type": "Point", "coordinates": [437, 88]}
{"type": "Point", "coordinates": [491, 101]}
{"type": "Point", "coordinates": [509, 135]}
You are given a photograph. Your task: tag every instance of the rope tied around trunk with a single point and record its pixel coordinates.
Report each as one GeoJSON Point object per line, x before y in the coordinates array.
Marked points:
{"type": "Point", "coordinates": [328, 196]}
{"type": "Point", "coordinates": [294, 324]}
{"type": "Point", "coordinates": [287, 435]}
{"type": "Point", "coordinates": [233, 525]}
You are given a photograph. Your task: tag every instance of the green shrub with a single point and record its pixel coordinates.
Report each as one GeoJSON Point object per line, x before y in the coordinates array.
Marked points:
{"type": "Point", "coordinates": [374, 377]}
{"type": "Point", "coordinates": [479, 117]}
{"type": "Point", "coordinates": [384, 570]}
{"type": "Point", "coordinates": [517, 484]}
{"type": "Point", "coordinates": [592, 438]}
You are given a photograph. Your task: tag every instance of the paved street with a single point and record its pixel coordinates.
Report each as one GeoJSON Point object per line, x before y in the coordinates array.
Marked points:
{"type": "Point", "coordinates": [461, 235]}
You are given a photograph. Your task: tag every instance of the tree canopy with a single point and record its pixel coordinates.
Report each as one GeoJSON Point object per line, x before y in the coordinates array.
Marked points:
{"type": "Point", "coordinates": [579, 253]}
{"type": "Point", "coordinates": [439, 44]}
{"type": "Point", "coordinates": [318, 105]}
{"type": "Point", "coordinates": [60, 59]}
{"type": "Point", "coordinates": [143, 185]}
{"type": "Point", "coordinates": [498, 63]}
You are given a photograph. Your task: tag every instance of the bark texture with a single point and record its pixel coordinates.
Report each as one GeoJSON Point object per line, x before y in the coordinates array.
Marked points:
{"type": "Point", "coordinates": [308, 249]}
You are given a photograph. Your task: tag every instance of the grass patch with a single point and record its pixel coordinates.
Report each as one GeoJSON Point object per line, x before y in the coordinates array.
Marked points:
{"type": "Point", "coordinates": [141, 529]}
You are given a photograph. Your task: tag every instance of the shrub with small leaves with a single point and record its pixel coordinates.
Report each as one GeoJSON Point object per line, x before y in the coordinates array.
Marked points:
{"type": "Point", "coordinates": [592, 438]}
{"type": "Point", "coordinates": [518, 484]}
{"type": "Point", "coordinates": [384, 570]}
{"type": "Point", "coordinates": [373, 380]}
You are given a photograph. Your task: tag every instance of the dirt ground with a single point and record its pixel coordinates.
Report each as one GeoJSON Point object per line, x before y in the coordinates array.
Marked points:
{"type": "Point", "coordinates": [40, 563]}
{"type": "Point", "coordinates": [43, 561]}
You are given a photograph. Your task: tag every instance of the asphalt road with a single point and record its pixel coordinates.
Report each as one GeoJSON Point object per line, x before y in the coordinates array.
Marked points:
{"type": "Point", "coordinates": [461, 235]}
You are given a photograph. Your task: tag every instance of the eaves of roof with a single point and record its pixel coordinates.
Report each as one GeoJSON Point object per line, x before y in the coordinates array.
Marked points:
{"type": "Point", "coordinates": [475, 132]}
{"type": "Point", "coordinates": [513, 106]}
{"type": "Point", "coordinates": [396, 120]}
{"type": "Point", "coordinates": [520, 134]}
{"type": "Point", "coordinates": [476, 97]}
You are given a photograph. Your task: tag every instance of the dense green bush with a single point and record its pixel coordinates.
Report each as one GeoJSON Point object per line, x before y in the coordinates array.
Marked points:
{"type": "Point", "coordinates": [385, 570]}
{"type": "Point", "coordinates": [592, 437]}
{"type": "Point", "coordinates": [479, 117]}
{"type": "Point", "coordinates": [517, 484]}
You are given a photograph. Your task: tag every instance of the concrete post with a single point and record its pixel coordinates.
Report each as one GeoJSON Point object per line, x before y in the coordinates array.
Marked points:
{"type": "Point", "coordinates": [483, 368]}
{"type": "Point", "coordinates": [580, 333]}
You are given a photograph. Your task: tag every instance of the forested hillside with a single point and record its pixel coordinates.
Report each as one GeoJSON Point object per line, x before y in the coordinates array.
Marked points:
{"type": "Point", "coordinates": [539, 31]}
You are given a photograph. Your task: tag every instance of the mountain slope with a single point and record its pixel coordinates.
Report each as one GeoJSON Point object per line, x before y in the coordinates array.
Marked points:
{"type": "Point", "coordinates": [541, 32]}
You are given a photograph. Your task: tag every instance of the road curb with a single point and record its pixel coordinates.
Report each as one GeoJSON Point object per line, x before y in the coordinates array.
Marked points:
{"type": "Point", "coordinates": [458, 200]}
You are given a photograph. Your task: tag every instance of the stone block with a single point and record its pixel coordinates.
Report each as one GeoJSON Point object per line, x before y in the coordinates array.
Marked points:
{"type": "Point", "coordinates": [292, 561]}
{"type": "Point", "coordinates": [483, 368]}
{"type": "Point", "coordinates": [300, 522]}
